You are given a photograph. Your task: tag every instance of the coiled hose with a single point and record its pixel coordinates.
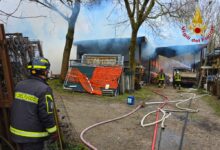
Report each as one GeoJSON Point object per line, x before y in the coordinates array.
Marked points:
{"type": "Point", "coordinates": [160, 109]}
{"type": "Point", "coordinates": [164, 111]}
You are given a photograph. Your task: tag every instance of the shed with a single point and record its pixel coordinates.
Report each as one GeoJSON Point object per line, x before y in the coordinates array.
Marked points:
{"type": "Point", "coordinates": [111, 46]}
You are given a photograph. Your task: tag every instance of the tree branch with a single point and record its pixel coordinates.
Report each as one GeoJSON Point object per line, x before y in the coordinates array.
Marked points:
{"type": "Point", "coordinates": [39, 2]}
{"type": "Point", "coordinates": [134, 6]}
{"type": "Point", "coordinates": [49, 5]}
{"type": "Point", "coordinates": [144, 6]}
{"type": "Point", "coordinates": [128, 8]}
{"type": "Point", "coordinates": [17, 17]}
{"type": "Point", "coordinates": [10, 14]}
{"type": "Point", "coordinates": [137, 8]}
{"type": "Point", "coordinates": [130, 15]}
{"type": "Point", "coordinates": [54, 8]}
{"type": "Point", "coordinates": [149, 8]}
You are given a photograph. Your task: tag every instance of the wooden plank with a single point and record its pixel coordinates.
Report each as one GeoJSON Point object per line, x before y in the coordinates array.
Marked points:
{"type": "Point", "coordinates": [6, 65]}
{"type": "Point", "coordinates": [6, 121]}
{"type": "Point", "coordinates": [5, 103]}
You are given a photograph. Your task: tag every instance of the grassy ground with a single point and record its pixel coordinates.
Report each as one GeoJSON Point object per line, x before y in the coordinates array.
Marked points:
{"type": "Point", "coordinates": [142, 94]}
{"type": "Point", "coordinates": [213, 102]}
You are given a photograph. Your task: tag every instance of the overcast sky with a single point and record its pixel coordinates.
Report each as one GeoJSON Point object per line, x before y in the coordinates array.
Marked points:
{"type": "Point", "coordinates": [91, 24]}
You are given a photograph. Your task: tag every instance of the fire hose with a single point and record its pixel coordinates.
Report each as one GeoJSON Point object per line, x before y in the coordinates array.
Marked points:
{"type": "Point", "coordinates": [104, 122]}
{"type": "Point", "coordinates": [180, 109]}
{"type": "Point", "coordinates": [164, 111]}
{"type": "Point", "coordinates": [157, 117]}
{"type": "Point", "coordinates": [160, 109]}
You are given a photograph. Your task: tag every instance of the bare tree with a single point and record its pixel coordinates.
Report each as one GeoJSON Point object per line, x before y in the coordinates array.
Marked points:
{"type": "Point", "coordinates": [74, 7]}
{"type": "Point", "coordinates": [140, 11]}
{"type": "Point", "coordinates": [69, 11]}
{"type": "Point", "coordinates": [4, 15]}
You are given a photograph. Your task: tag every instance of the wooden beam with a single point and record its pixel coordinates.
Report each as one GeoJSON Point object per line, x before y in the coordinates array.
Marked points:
{"type": "Point", "coordinates": [6, 65]}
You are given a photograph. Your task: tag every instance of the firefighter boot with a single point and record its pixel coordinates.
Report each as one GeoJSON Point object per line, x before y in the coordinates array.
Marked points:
{"type": "Point", "coordinates": [159, 85]}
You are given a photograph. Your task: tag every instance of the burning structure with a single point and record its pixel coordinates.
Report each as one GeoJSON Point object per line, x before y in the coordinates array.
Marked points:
{"type": "Point", "coordinates": [184, 56]}
{"type": "Point", "coordinates": [97, 57]}
{"type": "Point", "coordinates": [147, 66]}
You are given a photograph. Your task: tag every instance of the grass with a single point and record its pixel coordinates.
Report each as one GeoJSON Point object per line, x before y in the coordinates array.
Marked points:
{"type": "Point", "coordinates": [214, 103]}
{"type": "Point", "coordinates": [143, 94]}
{"type": "Point", "coordinates": [57, 86]}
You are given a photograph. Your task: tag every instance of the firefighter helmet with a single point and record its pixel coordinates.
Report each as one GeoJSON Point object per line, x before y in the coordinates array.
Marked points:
{"type": "Point", "coordinates": [38, 65]}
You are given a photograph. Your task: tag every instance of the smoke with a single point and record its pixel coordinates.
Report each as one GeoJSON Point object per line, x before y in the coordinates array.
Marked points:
{"type": "Point", "coordinates": [105, 46]}
{"type": "Point", "coordinates": [91, 24]}
{"type": "Point", "coordinates": [148, 50]}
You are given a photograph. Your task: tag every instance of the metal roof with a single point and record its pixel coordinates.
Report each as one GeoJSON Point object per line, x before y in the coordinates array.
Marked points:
{"type": "Point", "coordinates": [171, 51]}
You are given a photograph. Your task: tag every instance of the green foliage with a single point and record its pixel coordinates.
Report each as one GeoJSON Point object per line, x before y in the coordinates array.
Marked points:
{"type": "Point", "coordinates": [56, 85]}
{"type": "Point", "coordinates": [143, 94]}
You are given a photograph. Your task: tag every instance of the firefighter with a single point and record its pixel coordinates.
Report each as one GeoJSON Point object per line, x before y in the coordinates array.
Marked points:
{"type": "Point", "coordinates": [177, 80]}
{"type": "Point", "coordinates": [161, 78]}
{"type": "Point", "coordinates": [32, 116]}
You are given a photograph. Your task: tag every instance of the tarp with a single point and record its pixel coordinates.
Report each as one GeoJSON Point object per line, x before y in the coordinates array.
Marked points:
{"type": "Point", "coordinates": [102, 77]}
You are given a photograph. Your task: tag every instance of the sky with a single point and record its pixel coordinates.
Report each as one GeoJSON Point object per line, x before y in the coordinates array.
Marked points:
{"type": "Point", "coordinates": [95, 23]}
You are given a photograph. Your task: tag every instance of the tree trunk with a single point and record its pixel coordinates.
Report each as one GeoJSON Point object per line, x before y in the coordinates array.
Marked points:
{"type": "Point", "coordinates": [132, 62]}
{"type": "Point", "coordinates": [66, 52]}
{"type": "Point", "coordinates": [69, 40]}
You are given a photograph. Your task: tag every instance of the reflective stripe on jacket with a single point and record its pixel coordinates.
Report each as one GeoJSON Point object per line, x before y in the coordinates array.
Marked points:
{"type": "Point", "coordinates": [32, 118]}
{"type": "Point", "coordinates": [177, 77]}
{"type": "Point", "coordinates": [161, 76]}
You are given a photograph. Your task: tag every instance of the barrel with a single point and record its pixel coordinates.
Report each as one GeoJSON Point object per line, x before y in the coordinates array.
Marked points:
{"type": "Point", "coordinates": [130, 100]}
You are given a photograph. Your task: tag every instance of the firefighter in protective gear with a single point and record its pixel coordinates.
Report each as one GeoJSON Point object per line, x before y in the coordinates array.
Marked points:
{"type": "Point", "coordinates": [177, 80]}
{"type": "Point", "coordinates": [32, 116]}
{"type": "Point", "coordinates": [161, 78]}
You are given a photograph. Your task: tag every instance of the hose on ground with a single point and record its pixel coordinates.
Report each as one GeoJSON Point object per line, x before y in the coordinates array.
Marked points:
{"type": "Point", "coordinates": [157, 118]}
{"type": "Point", "coordinates": [104, 122]}
{"type": "Point", "coordinates": [180, 109]}
{"type": "Point", "coordinates": [166, 112]}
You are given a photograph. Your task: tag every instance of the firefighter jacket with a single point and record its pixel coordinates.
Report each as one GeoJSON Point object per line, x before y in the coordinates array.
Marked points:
{"type": "Point", "coordinates": [177, 77]}
{"type": "Point", "coordinates": [32, 117]}
{"type": "Point", "coordinates": [161, 76]}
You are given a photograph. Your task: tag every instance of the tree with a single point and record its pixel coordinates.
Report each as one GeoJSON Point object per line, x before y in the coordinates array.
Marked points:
{"type": "Point", "coordinates": [6, 15]}
{"type": "Point", "coordinates": [74, 7]}
{"type": "Point", "coordinates": [140, 11]}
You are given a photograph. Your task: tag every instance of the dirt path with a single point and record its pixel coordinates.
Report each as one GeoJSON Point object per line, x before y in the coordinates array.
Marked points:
{"type": "Point", "coordinates": [202, 132]}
